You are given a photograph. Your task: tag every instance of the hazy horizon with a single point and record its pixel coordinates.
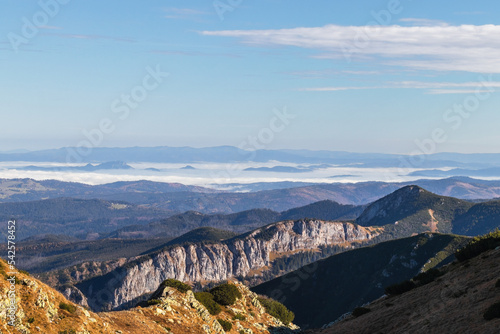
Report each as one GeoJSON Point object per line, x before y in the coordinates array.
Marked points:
{"type": "Point", "coordinates": [45, 148]}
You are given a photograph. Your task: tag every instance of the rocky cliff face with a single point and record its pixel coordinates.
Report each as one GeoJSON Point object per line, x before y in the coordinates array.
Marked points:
{"type": "Point", "coordinates": [217, 261]}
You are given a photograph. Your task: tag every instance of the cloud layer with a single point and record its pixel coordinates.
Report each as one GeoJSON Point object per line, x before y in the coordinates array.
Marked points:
{"type": "Point", "coordinates": [468, 48]}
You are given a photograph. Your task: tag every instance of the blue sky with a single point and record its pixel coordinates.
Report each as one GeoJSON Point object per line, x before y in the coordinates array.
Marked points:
{"type": "Point", "coordinates": [365, 76]}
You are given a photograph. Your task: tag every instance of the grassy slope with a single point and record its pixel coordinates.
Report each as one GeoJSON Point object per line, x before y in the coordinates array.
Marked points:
{"type": "Point", "coordinates": [453, 303]}
{"type": "Point", "coordinates": [324, 290]}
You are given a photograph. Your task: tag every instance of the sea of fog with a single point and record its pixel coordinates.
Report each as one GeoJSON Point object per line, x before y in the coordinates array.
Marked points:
{"type": "Point", "coordinates": [216, 175]}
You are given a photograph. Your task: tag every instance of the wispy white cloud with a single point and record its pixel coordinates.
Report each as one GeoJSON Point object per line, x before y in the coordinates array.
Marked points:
{"type": "Point", "coordinates": [50, 27]}
{"type": "Point", "coordinates": [456, 91]}
{"type": "Point", "coordinates": [175, 53]}
{"type": "Point", "coordinates": [194, 53]}
{"type": "Point", "coordinates": [467, 48]}
{"type": "Point", "coordinates": [183, 13]}
{"type": "Point", "coordinates": [423, 22]}
{"type": "Point", "coordinates": [431, 87]}
{"type": "Point", "coordinates": [330, 73]}
{"type": "Point", "coordinates": [90, 37]}
{"type": "Point", "coordinates": [477, 12]}
{"type": "Point", "coordinates": [336, 89]}
{"type": "Point", "coordinates": [424, 85]}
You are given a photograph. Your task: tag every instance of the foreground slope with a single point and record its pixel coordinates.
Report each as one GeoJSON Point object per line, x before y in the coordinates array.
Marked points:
{"type": "Point", "coordinates": [326, 289]}
{"type": "Point", "coordinates": [40, 309]}
{"type": "Point", "coordinates": [453, 303]}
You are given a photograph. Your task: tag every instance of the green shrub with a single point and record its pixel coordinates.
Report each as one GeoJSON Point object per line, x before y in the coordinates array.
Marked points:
{"type": "Point", "coordinates": [399, 288]}
{"type": "Point", "coordinates": [492, 312]}
{"type": "Point", "coordinates": [225, 294]}
{"type": "Point", "coordinates": [359, 311]}
{"type": "Point", "coordinates": [277, 310]}
{"type": "Point", "coordinates": [428, 276]}
{"type": "Point", "coordinates": [207, 299]}
{"type": "Point", "coordinates": [153, 302]}
{"type": "Point", "coordinates": [479, 245]}
{"type": "Point", "coordinates": [240, 317]}
{"type": "Point", "coordinates": [24, 272]}
{"type": "Point", "coordinates": [226, 325]}
{"type": "Point", "coordinates": [173, 283]}
{"type": "Point", "coordinates": [67, 307]}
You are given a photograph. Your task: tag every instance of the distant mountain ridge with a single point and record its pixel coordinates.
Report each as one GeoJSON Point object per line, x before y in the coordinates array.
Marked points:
{"type": "Point", "coordinates": [414, 209]}
{"type": "Point", "coordinates": [22, 190]}
{"type": "Point", "coordinates": [87, 168]}
{"type": "Point", "coordinates": [75, 217]}
{"type": "Point", "coordinates": [231, 153]}
{"type": "Point", "coordinates": [483, 172]}
{"type": "Point", "coordinates": [198, 235]}
{"type": "Point", "coordinates": [181, 198]}
{"type": "Point", "coordinates": [325, 210]}
{"type": "Point", "coordinates": [237, 222]}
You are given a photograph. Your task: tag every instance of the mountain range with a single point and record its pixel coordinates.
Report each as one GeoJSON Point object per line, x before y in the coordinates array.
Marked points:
{"type": "Point", "coordinates": [180, 198]}
{"type": "Point", "coordinates": [233, 154]}
{"type": "Point", "coordinates": [85, 219]}
{"type": "Point", "coordinates": [482, 172]}
{"type": "Point", "coordinates": [452, 297]}
{"type": "Point", "coordinates": [44, 250]}
{"type": "Point", "coordinates": [238, 222]}
{"type": "Point", "coordinates": [407, 211]}
{"type": "Point", "coordinates": [414, 209]}
{"type": "Point", "coordinates": [322, 250]}
{"type": "Point", "coordinates": [417, 210]}
{"type": "Point", "coordinates": [87, 168]}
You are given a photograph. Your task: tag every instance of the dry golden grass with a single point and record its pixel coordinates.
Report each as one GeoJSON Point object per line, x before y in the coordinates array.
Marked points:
{"type": "Point", "coordinates": [454, 303]}
{"type": "Point", "coordinates": [40, 312]}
